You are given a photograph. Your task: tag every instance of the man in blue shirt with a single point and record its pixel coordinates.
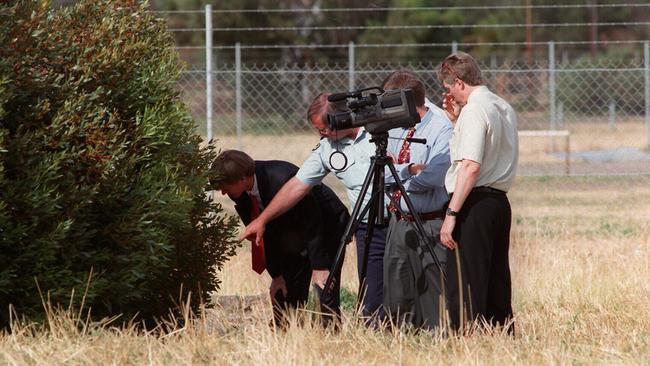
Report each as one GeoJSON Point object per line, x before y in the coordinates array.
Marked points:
{"type": "Point", "coordinates": [346, 153]}
{"type": "Point", "coordinates": [412, 281]}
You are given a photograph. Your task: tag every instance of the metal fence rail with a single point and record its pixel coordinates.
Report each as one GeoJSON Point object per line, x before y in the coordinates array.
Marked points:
{"type": "Point", "coordinates": [603, 102]}
{"type": "Point", "coordinates": [262, 108]}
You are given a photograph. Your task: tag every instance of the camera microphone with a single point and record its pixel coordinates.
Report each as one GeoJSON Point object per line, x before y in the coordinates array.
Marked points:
{"type": "Point", "coordinates": [336, 97]}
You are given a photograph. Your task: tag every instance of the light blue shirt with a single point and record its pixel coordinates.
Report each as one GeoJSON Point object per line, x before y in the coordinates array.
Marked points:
{"type": "Point", "coordinates": [358, 152]}
{"type": "Point", "coordinates": [427, 188]}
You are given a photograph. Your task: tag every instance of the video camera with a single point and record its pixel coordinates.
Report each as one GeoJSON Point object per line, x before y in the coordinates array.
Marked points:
{"type": "Point", "coordinates": [378, 111]}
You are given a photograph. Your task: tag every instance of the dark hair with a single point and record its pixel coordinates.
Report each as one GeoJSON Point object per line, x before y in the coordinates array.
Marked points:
{"type": "Point", "coordinates": [460, 65]}
{"type": "Point", "coordinates": [229, 167]}
{"type": "Point", "coordinates": [405, 79]}
{"type": "Point", "coordinates": [319, 106]}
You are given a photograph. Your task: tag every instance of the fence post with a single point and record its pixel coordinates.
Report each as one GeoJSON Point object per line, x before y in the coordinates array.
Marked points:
{"type": "Point", "coordinates": [351, 61]}
{"type": "Point", "coordinates": [238, 93]}
{"type": "Point", "coordinates": [646, 63]}
{"type": "Point", "coordinates": [454, 47]}
{"type": "Point", "coordinates": [551, 84]}
{"type": "Point", "coordinates": [493, 68]}
{"type": "Point", "coordinates": [208, 71]}
{"type": "Point", "coordinates": [612, 115]}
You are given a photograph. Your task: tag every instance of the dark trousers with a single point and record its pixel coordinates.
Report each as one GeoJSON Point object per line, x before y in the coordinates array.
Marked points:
{"type": "Point", "coordinates": [483, 235]}
{"type": "Point", "coordinates": [413, 285]}
{"type": "Point", "coordinates": [297, 276]}
{"type": "Point", "coordinates": [373, 290]}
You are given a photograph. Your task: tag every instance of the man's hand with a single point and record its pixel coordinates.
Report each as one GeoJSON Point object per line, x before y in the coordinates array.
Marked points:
{"type": "Point", "coordinates": [414, 169]}
{"type": "Point", "coordinates": [319, 277]}
{"type": "Point", "coordinates": [277, 284]}
{"type": "Point", "coordinates": [254, 231]}
{"type": "Point", "coordinates": [450, 106]}
{"type": "Point", "coordinates": [445, 232]}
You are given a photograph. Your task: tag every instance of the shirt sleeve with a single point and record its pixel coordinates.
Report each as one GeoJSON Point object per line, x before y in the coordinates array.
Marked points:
{"type": "Point", "coordinates": [471, 141]}
{"type": "Point", "coordinates": [313, 170]}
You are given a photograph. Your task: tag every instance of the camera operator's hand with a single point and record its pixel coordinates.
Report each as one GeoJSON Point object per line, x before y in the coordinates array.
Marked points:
{"type": "Point", "coordinates": [450, 106]}
{"type": "Point", "coordinates": [414, 169]}
{"type": "Point", "coordinates": [278, 284]}
{"type": "Point", "coordinates": [254, 231]}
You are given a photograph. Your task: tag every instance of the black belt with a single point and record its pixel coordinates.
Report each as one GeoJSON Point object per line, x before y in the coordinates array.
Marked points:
{"type": "Point", "coordinates": [486, 189]}
{"type": "Point", "coordinates": [440, 214]}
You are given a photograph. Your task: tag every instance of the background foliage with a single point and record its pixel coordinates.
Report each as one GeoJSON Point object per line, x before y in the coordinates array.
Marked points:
{"type": "Point", "coordinates": [100, 166]}
{"type": "Point", "coordinates": [508, 12]}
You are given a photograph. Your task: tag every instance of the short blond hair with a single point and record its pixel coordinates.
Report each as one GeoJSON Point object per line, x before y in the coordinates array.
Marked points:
{"type": "Point", "coordinates": [460, 65]}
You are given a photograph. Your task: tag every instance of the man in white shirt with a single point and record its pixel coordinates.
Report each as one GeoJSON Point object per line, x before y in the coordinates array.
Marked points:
{"type": "Point", "coordinates": [484, 155]}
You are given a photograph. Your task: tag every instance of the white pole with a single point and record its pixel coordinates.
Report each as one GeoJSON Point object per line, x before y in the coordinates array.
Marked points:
{"type": "Point", "coordinates": [351, 66]}
{"type": "Point", "coordinates": [646, 63]}
{"type": "Point", "coordinates": [208, 70]}
{"type": "Point", "coordinates": [551, 84]}
{"type": "Point", "coordinates": [238, 93]}
{"type": "Point", "coordinates": [612, 115]}
{"type": "Point", "coordinates": [454, 47]}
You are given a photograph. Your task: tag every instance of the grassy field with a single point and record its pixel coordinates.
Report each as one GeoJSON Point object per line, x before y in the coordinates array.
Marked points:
{"type": "Point", "coordinates": [580, 259]}
{"type": "Point", "coordinates": [537, 155]}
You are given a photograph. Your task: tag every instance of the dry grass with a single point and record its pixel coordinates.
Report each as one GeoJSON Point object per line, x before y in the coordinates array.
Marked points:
{"type": "Point", "coordinates": [580, 260]}
{"type": "Point", "coordinates": [585, 136]}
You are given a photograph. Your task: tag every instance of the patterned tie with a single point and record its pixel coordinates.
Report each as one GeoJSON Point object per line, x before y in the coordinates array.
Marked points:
{"type": "Point", "coordinates": [403, 157]}
{"type": "Point", "coordinates": [257, 251]}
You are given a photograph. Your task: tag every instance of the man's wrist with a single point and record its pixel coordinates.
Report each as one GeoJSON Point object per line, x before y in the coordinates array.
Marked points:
{"type": "Point", "coordinates": [409, 168]}
{"type": "Point", "coordinates": [451, 212]}
{"type": "Point", "coordinates": [262, 218]}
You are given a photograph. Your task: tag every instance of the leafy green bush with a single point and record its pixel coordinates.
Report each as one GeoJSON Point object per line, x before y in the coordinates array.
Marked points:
{"type": "Point", "coordinates": [100, 166]}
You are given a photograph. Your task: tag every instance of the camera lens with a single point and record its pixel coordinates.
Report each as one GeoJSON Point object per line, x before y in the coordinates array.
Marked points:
{"type": "Point", "coordinates": [339, 121]}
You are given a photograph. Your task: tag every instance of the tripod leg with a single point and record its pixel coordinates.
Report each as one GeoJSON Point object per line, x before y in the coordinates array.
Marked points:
{"type": "Point", "coordinates": [355, 218]}
{"type": "Point", "coordinates": [376, 210]}
{"type": "Point", "coordinates": [372, 218]}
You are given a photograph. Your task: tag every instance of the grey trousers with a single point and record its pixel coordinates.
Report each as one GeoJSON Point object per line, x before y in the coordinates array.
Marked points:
{"type": "Point", "coordinates": [413, 286]}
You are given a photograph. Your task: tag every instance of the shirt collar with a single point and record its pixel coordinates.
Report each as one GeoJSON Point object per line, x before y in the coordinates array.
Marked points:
{"type": "Point", "coordinates": [348, 140]}
{"type": "Point", "coordinates": [360, 134]}
{"type": "Point", "coordinates": [475, 94]}
{"type": "Point", "coordinates": [255, 190]}
{"type": "Point", "coordinates": [426, 119]}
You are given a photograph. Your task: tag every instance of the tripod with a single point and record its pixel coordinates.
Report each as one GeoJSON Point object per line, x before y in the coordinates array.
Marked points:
{"type": "Point", "coordinates": [375, 207]}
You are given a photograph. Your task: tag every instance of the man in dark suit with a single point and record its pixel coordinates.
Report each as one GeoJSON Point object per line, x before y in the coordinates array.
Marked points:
{"type": "Point", "coordinates": [299, 245]}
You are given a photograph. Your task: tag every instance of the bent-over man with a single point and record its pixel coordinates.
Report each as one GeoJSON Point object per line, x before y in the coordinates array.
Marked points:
{"type": "Point", "coordinates": [298, 245]}
{"type": "Point", "coordinates": [347, 154]}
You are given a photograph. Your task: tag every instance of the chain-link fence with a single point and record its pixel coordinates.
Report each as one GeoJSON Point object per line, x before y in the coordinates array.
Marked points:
{"type": "Point", "coordinates": [602, 104]}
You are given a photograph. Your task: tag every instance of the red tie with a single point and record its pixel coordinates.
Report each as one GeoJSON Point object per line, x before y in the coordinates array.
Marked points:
{"type": "Point", "coordinates": [403, 157]}
{"type": "Point", "coordinates": [257, 251]}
